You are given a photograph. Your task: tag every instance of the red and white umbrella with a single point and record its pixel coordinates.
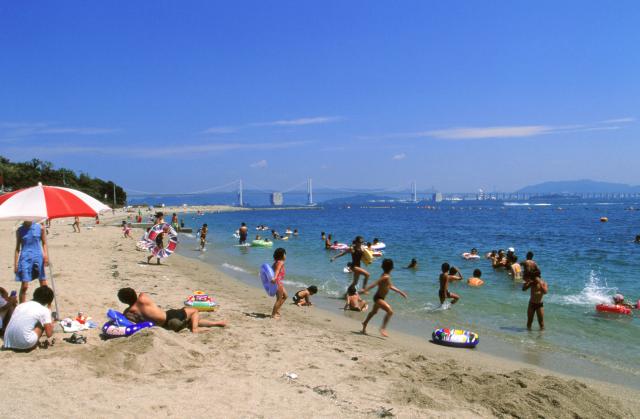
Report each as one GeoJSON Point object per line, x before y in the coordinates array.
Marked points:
{"type": "Point", "coordinates": [41, 202]}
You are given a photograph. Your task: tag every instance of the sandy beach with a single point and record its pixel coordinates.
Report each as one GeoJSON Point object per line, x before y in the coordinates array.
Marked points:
{"type": "Point", "coordinates": [240, 371]}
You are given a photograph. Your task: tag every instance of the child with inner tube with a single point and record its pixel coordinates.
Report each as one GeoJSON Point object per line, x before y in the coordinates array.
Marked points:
{"type": "Point", "coordinates": [533, 281]}
{"type": "Point", "coordinates": [384, 284]}
{"type": "Point", "coordinates": [303, 297]}
{"type": "Point", "coordinates": [143, 308]}
{"type": "Point", "coordinates": [356, 259]}
{"type": "Point", "coordinates": [279, 257]}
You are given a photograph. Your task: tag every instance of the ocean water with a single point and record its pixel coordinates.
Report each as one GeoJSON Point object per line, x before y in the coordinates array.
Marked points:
{"type": "Point", "coordinates": [584, 261]}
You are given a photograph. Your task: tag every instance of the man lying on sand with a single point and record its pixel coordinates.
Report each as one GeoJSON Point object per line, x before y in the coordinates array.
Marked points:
{"type": "Point", "coordinates": [143, 308]}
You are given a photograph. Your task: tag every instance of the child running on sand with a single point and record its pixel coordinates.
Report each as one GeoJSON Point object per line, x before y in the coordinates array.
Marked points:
{"type": "Point", "coordinates": [279, 256]}
{"type": "Point", "coordinates": [539, 288]}
{"type": "Point", "coordinates": [303, 297]}
{"type": "Point", "coordinates": [354, 302]}
{"type": "Point", "coordinates": [445, 278]}
{"type": "Point", "coordinates": [384, 285]}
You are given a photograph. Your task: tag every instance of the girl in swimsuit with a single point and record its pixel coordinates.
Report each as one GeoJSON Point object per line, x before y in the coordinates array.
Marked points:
{"type": "Point", "coordinates": [279, 256]}
{"type": "Point", "coordinates": [384, 284]}
{"type": "Point", "coordinates": [356, 261]}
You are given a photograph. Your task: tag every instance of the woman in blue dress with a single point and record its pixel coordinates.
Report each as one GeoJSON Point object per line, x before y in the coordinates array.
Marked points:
{"type": "Point", "coordinates": [31, 256]}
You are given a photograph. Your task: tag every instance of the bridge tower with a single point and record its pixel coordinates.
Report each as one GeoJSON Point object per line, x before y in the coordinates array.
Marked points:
{"type": "Point", "coordinates": [240, 200]}
{"type": "Point", "coordinates": [414, 192]}
{"type": "Point", "coordinates": [309, 191]}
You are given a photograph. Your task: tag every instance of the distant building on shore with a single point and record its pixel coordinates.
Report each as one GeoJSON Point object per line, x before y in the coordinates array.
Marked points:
{"type": "Point", "coordinates": [277, 199]}
{"type": "Point", "coordinates": [437, 197]}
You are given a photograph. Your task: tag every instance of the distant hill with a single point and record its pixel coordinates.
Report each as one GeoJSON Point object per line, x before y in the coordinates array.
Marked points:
{"type": "Point", "coordinates": [579, 186]}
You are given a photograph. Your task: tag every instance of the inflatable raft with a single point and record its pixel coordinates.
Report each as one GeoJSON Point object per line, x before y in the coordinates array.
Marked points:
{"type": "Point", "coordinates": [266, 277]}
{"type": "Point", "coordinates": [614, 309]}
{"type": "Point", "coordinates": [455, 337]}
{"type": "Point", "coordinates": [261, 243]}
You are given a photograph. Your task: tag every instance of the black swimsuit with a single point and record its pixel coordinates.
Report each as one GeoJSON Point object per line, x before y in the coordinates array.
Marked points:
{"type": "Point", "coordinates": [356, 257]}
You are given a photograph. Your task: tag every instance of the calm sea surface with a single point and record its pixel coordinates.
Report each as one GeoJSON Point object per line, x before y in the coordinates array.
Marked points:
{"type": "Point", "coordinates": [584, 261]}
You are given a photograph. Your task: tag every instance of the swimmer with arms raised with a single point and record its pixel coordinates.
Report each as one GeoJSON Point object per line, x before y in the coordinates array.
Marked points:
{"type": "Point", "coordinates": [384, 284]}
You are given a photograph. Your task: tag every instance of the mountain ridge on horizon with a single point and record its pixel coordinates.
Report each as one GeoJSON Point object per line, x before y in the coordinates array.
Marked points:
{"type": "Point", "coordinates": [579, 186]}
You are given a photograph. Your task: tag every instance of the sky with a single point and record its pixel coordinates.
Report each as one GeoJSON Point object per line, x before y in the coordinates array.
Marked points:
{"type": "Point", "coordinates": [163, 96]}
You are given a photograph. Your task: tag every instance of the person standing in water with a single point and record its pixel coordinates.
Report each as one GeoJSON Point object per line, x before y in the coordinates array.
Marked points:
{"type": "Point", "coordinates": [31, 256]}
{"type": "Point", "coordinates": [203, 235]}
{"type": "Point", "coordinates": [356, 261]}
{"type": "Point", "coordinates": [243, 231]}
{"type": "Point", "coordinates": [445, 279]}
{"type": "Point", "coordinates": [384, 284]}
{"type": "Point", "coordinates": [538, 287]}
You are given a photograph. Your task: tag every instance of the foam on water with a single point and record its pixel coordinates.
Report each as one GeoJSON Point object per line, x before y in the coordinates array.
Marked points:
{"type": "Point", "coordinates": [595, 291]}
{"type": "Point", "coordinates": [233, 267]}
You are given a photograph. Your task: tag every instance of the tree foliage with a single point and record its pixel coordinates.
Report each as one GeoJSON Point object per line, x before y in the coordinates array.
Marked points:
{"type": "Point", "coordinates": [26, 174]}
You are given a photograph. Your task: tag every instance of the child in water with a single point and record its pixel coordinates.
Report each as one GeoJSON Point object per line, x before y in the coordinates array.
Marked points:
{"type": "Point", "coordinates": [354, 302]}
{"type": "Point", "coordinates": [413, 264]}
{"type": "Point", "coordinates": [445, 279]}
{"type": "Point", "coordinates": [303, 297]}
{"type": "Point", "coordinates": [533, 281]}
{"type": "Point", "coordinates": [475, 280]}
{"type": "Point", "coordinates": [384, 284]}
{"type": "Point", "coordinates": [279, 256]}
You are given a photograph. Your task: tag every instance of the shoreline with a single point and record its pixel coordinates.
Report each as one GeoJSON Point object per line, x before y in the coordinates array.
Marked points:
{"type": "Point", "coordinates": [239, 370]}
{"type": "Point", "coordinates": [550, 361]}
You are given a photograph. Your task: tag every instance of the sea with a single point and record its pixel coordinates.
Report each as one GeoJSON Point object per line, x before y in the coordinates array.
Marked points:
{"type": "Point", "coordinates": [585, 262]}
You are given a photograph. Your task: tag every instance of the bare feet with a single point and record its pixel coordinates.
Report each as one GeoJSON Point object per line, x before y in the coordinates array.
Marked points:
{"type": "Point", "coordinates": [275, 316]}
{"type": "Point", "coordinates": [384, 333]}
{"type": "Point", "coordinates": [364, 328]}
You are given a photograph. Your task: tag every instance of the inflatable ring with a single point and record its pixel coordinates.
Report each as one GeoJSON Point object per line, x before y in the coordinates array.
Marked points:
{"type": "Point", "coordinates": [266, 276]}
{"type": "Point", "coordinates": [171, 245]}
{"type": "Point", "coordinates": [261, 243]}
{"type": "Point", "coordinates": [455, 337]}
{"type": "Point", "coordinates": [201, 301]}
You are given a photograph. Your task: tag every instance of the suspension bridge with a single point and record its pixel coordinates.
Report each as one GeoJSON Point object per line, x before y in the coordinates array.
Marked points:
{"type": "Point", "coordinates": [409, 193]}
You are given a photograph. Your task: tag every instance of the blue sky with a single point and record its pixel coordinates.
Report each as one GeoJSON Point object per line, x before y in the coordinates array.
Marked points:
{"type": "Point", "coordinates": [166, 96]}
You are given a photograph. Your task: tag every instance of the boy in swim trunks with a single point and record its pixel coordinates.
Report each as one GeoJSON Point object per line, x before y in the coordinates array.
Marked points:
{"type": "Point", "coordinates": [384, 284]}
{"type": "Point", "coordinates": [203, 236]}
{"type": "Point", "coordinates": [445, 278]}
{"type": "Point", "coordinates": [354, 302]}
{"type": "Point", "coordinates": [539, 288]}
{"type": "Point", "coordinates": [303, 297]}
{"type": "Point", "coordinates": [143, 308]}
{"type": "Point", "coordinates": [243, 231]}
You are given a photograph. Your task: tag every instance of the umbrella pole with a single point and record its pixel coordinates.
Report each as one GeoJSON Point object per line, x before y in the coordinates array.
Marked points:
{"type": "Point", "coordinates": [56, 313]}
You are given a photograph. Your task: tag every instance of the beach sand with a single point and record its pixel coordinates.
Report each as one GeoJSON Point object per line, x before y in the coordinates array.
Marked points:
{"type": "Point", "coordinates": [240, 371]}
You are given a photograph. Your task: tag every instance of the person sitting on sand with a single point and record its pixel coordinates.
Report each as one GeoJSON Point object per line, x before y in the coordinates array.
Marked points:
{"type": "Point", "coordinates": [143, 308]}
{"type": "Point", "coordinates": [618, 300]}
{"type": "Point", "coordinates": [475, 280]}
{"type": "Point", "coordinates": [8, 303]}
{"type": "Point", "coordinates": [533, 281]}
{"type": "Point", "coordinates": [29, 321]}
{"type": "Point", "coordinates": [354, 301]}
{"type": "Point", "coordinates": [413, 264]}
{"type": "Point", "coordinates": [444, 293]}
{"type": "Point", "coordinates": [303, 297]}
{"type": "Point", "coordinates": [279, 257]}
{"type": "Point", "coordinates": [384, 284]}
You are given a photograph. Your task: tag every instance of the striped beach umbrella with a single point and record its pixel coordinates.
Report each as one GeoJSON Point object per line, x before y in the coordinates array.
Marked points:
{"type": "Point", "coordinates": [47, 202]}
